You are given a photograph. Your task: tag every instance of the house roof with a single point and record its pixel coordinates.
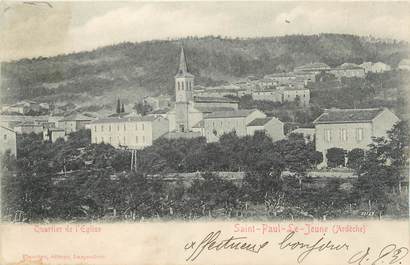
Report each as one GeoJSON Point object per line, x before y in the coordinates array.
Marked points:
{"type": "Point", "coordinates": [230, 114]}
{"type": "Point", "coordinates": [288, 74]}
{"type": "Point", "coordinates": [28, 124]}
{"type": "Point", "coordinates": [122, 114]}
{"type": "Point", "coordinates": [348, 115]}
{"type": "Point", "coordinates": [6, 128]}
{"type": "Point", "coordinates": [304, 131]}
{"type": "Point", "coordinates": [20, 104]}
{"type": "Point", "coordinates": [160, 111]}
{"type": "Point", "coordinates": [348, 66]}
{"type": "Point", "coordinates": [125, 119]}
{"type": "Point", "coordinates": [76, 117]}
{"type": "Point", "coordinates": [296, 88]}
{"type": "Point", "coordinates": [199, 124]}
{"type": "Point", "coordinates": [260, 121]}
{"type": "Point", "coordinates": [160, 97]}
{"type": "Point", "coordinates": [55, 129]}
{"type": "Point", "coordinates": [381, 63]}
{"type": "Point", "coordinates": [24, 103]}
{"type": "Point", "coordinates": [404, 62]}
{"type": "Point", "coordinates": [312, 66]}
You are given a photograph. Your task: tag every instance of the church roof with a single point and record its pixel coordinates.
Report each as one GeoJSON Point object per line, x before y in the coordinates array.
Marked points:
{"type": "Point", "coordinates": [215, 99]}
{"type": "Point", "coordinates": [210, 109]}
{"type": "Point", "coordinates": [230, 114]}
{"type": "Point", "coordinates": [199, 124]}
{"type": "Point", "coordinates": [183, 70]}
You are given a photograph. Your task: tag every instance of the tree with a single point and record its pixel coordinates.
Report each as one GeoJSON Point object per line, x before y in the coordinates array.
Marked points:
{"type": "Point", "coordinates": [315, 157]}
{"type": "Point", "coordinates": [382, 169]}
{"type": "Point", "coordinates": [142, 108]}
{"type": "Point", "coordinates": [214, 191]}
{"type": "Point", "coordinates": [391, 153]}
{"type": "Point", "coordinates": [297, 101]}
{"type": "Point", "coordinates": [335, 157]}
{"type": "Point", "coordinates": [8, 161]}
{"type": "Point", "coordinates": [118, 110]}
{"type": "Point", "coordinates": [122, 108]}
{"type": "Point", "coordinates": [355, 158]}
{"type": "Point", "coordinates": [325, 77]}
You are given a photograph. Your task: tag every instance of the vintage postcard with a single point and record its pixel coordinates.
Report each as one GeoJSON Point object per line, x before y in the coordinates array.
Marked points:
{"type": "Point", "coordinates": [204, 133]}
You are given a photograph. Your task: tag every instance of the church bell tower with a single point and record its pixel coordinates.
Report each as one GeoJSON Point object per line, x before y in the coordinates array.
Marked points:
{"type": "Point", "coordinates": [184, 83]}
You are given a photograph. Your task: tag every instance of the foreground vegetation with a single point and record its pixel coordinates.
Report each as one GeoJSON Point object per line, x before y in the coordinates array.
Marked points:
{"type": "Point", "coordinates": [74, 180]}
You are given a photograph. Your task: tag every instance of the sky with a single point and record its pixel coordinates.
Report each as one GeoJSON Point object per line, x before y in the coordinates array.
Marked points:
{"type": "Point", "coordinates": [28, 30]}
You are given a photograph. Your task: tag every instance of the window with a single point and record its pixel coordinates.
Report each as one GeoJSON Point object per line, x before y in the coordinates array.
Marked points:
{"type": "Point", "coordinates": [125, 127]}
{"type": "Point", "coordinates": [142, 125]}
{"type": "Point", "coordinates": [328, 135]}
{"type": "Point", "coordinates": [343, 135]}
{"type": "Point", "coordinates": [136, 139]}
{"type": "Point", "coordinates": [182, 84]}
{"type": "Point", "coordinates": [102, 139]}
{"type": "Point", "coordinates": [179, 88]}
{"type": "Point", "coordinates": [102, 128]}
{"type": "Point", "coordinates": [109, 127]}
{"type": "Point", "coordinates": [110, 139]}
{"type": "Point", "coordinates": [359, 134]}
{"type": "Point", "coordinates": [5, 137]}
{"type": "Point", "coordinates": [118, 127]}
{"type": "Point", "coordinates": [95, 128]}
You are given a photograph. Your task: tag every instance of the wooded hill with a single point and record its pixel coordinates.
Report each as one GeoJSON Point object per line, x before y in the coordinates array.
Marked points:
{"type": "Point", "coordinates": [151, 65]}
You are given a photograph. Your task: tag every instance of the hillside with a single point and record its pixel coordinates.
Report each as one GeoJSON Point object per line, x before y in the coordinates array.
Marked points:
{"type": "Point", "coordinates": [135, 69]}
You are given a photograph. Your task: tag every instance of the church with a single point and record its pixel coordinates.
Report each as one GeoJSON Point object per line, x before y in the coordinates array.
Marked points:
{"type": "Point", "coordinates": [211, 117]}
{"type": "Point", "coordinates": [190, 110]}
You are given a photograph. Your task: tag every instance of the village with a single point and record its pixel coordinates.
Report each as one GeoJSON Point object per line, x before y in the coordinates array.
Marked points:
{"type": "Point", "coordinates": [211, 112]}
{"type": "Point", "coordinates": [333, 143]}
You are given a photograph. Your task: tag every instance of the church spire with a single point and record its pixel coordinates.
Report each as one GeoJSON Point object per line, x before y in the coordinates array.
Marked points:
{"type": "Point", "coordinates": [183, 68]}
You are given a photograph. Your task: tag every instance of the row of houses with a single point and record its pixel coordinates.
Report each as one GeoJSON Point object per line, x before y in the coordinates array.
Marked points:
{"type": "Point", "coordinates": [25, 107]}
{"type": "Point", "coordinates": [52, 128]}
{"type": "Point", "coordinates": [345, 69]}
{"type": "Point", "coordinates": [284, 95]}
{"type": "Point", "coordinates": [342, 128]}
